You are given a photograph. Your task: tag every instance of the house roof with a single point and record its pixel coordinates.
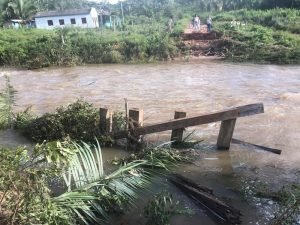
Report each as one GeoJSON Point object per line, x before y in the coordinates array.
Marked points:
{"type": "Point", "coordinates": [68, 12]}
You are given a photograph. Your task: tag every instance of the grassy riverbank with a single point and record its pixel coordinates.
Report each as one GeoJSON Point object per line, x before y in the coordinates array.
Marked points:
{"type": "Point", "coordinates": [40, 48]}
{"type": "Point", "coordinates": [264, 36]}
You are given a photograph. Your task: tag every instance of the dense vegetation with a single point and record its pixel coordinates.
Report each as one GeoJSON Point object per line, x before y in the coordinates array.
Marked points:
{"type": "Point", "coordinates": [270, 35]}
{"type": "Point", "coordinates": [77, 121]}
{"type": "Point", "coordinates": [39, 48]}
{"type": "Point", "coordinates": [87, 195]}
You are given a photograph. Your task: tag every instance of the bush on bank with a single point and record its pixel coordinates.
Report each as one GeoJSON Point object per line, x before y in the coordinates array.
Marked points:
{"type": "Point", "coordinates": [40, 48]}
{"type": "Point", "coordinates": [279, 18]}
{"type": "Point", "coordinates": [260, 44]}
{"type": "Point", "coordinates": [78, 121]}
{"type": "Point", "coordinates": [270, 36]}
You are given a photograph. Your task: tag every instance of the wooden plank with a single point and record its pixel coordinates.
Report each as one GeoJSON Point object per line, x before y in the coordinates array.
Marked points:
{"type": "Point", "coordinates": [240, 111]}
{"type": "Point", "coordinates": [191, 183]}
{"type": "Point", "coordinates": [225, 134]}
{"type": "Point", "coordinates": [218, 208]}
{"type": "Point", "coordinates": [273, 150]}
{"type": "Point", "coordinates": [177, 134]}
{"type": "Point", "coordinates": [252, 109]}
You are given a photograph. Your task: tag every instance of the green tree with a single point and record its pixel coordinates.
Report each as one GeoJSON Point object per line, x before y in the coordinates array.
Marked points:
{"type": "Point", "coordinates": [18, 9]}
{"type": "Point", "coordinates": [45, 5]}
{"type": "Point", "coordinates": [280, 3]}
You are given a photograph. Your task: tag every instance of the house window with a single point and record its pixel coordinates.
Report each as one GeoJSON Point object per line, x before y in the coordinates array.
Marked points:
{"type": "Point", "coordinates": [61, 22]}
{"type": "Point", "coordinates": [83, 20]}
{"type": "Point", "coordinates": [50, 22]}
{"type": "Point", "coordinates": [73, 21]}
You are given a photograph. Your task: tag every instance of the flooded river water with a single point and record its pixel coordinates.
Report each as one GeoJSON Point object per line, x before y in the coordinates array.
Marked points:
{"type": "Point", "coordinates": [196, 87]}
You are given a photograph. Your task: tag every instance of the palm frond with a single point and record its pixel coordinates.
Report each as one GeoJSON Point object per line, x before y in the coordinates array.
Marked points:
{"type": "Point", "coordinates": [86, 166]}
{"type": "Point", "coordinates": [84, 205]}
{"type": "Point", "coordinates": [92, 194]}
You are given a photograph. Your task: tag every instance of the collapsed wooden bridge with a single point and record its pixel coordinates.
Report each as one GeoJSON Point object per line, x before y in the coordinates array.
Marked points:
{"type": "Point", "coordinates": [136, 126]}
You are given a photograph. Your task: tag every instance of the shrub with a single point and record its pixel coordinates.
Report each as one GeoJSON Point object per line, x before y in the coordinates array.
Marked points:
{"type": "Point", "coordinates": [47, 127]}
{"type": "Point", "coordinates": [161, 46]}
{"type": "Point", "coordinates": [281, 19]}
{"type": "Point", "coordinates": [23, 119]}
{"type": "Point", "coordinates": [113, 56]}
{"type": "Point", "coordinates": [134, 48]}
{"type": "Point", "coordinates": [266, 37]}
{"type": "Point", "coordinates": [160, 210]}
{"type": "Point", "coordinates": [24, 193]}
{"type": "Point", "coordinates": [77, 121]}
{"type": "Point", "coordinates": [119, 122]}
{"type": "Point", "coordinates": [63, 47]}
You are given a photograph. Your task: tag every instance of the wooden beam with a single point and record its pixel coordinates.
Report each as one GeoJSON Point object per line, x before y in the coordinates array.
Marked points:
{"type": "Point", "coordinates": [217, 208]}
{"type": "Point", "coordinates": [225, 134]}
{"type": "Point", "coordinates": [241, 111]}
{"type": "Point", "coordinates": [177, 134]}
{"type": "Point", "coordinates": [273, 150]}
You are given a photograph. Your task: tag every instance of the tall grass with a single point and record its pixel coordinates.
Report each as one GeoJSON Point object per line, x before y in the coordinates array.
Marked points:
{"type": "Point", "coordinates": [270, 36]}
{"type": "Point", "coordinates": [40, 48]}
{"type": "Point", "coordinates": [279, 18]}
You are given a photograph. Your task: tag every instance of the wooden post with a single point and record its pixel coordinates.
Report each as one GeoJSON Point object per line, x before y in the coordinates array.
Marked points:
{"type": "Point", "coordinates": [105, 121]}
{"type": "Point", "coordinates": [126, 113]}
{"type": "Point", "coordinates": [225, 134]}
{"type": "Point", "coordinates": [136, 119]}
{"type": "Point", "coordinates": [177, 134]}
{"type": "Point", "coordinates": [110, 121]}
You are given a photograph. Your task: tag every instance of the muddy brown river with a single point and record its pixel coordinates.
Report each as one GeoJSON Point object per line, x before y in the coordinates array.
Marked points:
{"type": "Point", "coordinates": [196, 87]}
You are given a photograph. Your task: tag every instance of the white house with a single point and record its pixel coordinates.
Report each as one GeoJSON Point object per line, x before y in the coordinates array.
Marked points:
{"type": "Point", "coordinates": [85, 18]}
